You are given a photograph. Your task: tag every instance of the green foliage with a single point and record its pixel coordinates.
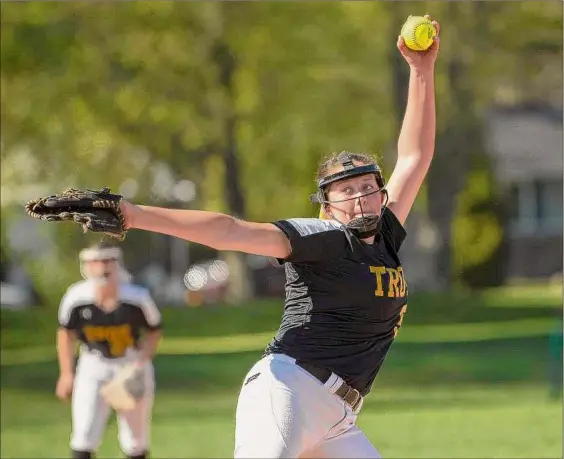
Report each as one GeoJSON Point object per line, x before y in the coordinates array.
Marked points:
{"type": "Point", "coordinates": [96, 94]}
{"type": "Point", "coordinates": [54, 273]}
{"type": "Point", "coordinates": [126, 81]}
{"type": "Point", "coordinates": [478, 230]}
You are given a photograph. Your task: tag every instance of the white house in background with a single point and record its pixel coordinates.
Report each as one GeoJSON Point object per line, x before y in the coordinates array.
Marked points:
{"type": "Point", "coordinates": [527, 149]}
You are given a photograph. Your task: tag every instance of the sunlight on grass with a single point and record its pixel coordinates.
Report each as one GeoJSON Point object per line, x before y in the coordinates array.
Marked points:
{"type": "Point", "coordinates": [532, 295]}
{"type": "Point", "coordinates": [257, 341]}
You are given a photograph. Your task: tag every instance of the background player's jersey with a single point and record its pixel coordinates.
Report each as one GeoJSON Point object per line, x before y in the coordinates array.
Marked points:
{"type": "Point", "coordinates": [345, 299]}
{"type": "Point", "coordinates": [110, 333]}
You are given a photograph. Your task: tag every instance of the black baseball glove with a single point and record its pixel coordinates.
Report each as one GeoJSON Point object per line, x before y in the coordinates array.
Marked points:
{"type": "Point", "coordinates": [96, 211]}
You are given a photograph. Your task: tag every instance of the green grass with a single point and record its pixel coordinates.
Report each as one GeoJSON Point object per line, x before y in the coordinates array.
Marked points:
{"type": "Point", "coordinates": [36, 327]}
{"type": "Point", "coordinates": [523, 360]}
{"type": "Point", "coordinates": [257, 341]}
{"type": "Point", "coordinates": [486, 398]}
{"type": "Point", "coordinates": [467, 377]}
{"type": "Point", "coordinates": [402, 423]}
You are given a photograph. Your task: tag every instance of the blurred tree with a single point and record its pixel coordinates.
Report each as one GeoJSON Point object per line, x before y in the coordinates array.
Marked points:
{"type": "Point", "coordinates": [200, 87]}
{"type": "Point", "coordinates": [302, 95]}
{"type": "Point", "coordinates": [494, 65]}
{"type": "Point", "coordinates": [473, 74]}
{"type": "Point", "coordinates": [458, 133]}
{"type": "Point", "coordinates": [241, 98]}
{"type": "Point", "coordinates": [479, 251]}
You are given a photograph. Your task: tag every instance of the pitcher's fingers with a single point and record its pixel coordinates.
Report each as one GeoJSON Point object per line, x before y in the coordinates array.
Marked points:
{"type": "Point", "coordinates": [401, 44]}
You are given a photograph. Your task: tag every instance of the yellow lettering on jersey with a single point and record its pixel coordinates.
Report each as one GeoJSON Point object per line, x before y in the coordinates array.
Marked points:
{"type": "Point", "coordinates": [396, 285]}
{"type": "Point", "coordinates": [378, 270]}
{"type": "Point", "coordinates": [118, 337]}
{"type": "Point", "coordinates": [400, 321]}
{"type": "Point", "coordinates": [393, 280]}
{"type": "Point", "coordinates": [403, 284]}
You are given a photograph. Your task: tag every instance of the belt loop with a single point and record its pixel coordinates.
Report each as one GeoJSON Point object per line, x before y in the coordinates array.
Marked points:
{"type": "Point", "coordinates": [358, 404]}
{"type": "Point", "coordinates": [333, 383]}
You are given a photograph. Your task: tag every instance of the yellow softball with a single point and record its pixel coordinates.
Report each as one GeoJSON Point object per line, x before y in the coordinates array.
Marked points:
{"type": "Point", "coordinates": [418, 33]}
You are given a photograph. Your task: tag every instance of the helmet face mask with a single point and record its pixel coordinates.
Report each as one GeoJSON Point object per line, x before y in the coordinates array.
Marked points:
{"type": "Point", "coordinates": [366, 225]}
{"type": "Point", "coordinates": [100, 264]}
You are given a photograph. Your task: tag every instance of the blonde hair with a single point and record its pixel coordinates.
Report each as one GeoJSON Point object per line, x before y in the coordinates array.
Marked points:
{"type": "Point", "coordinates": [323, 215]}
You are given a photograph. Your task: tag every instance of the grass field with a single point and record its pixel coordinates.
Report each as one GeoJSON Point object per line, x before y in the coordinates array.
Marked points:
{"type": "Point", "coordinates": [465, 381]}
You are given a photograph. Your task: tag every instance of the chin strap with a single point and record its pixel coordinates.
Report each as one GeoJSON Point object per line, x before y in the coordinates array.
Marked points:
{"type": "Point", "coordinates": [362, 227]}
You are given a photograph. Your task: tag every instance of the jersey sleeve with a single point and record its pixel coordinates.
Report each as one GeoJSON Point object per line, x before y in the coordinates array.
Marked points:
{"type": "Point", "coordinates": [68, 317]}
{"type": "Point", "coordinates": [312, 240]}
{"type": "Point", "coordinates": [393, 230]}
{"type": "Point", "coordinates": [151, 312]}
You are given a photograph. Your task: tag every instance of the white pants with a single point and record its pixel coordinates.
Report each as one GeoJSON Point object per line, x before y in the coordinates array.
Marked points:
{"type": "Point", "coordinates": [90, 412]}
{"type": "Point", "coordinates": [285, 412]}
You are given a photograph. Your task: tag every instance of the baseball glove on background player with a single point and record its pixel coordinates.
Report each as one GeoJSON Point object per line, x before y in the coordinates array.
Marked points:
{"type": "Point", "coordinates": [96, 211]}
{"type": "Point", "coordinates": [126, 388]}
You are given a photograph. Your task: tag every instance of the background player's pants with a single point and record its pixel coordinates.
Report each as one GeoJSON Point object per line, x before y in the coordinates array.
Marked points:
{"type": "Point", "coordinates": [285, 412]}
{"type": "Point", "coordinates": [90, 412]}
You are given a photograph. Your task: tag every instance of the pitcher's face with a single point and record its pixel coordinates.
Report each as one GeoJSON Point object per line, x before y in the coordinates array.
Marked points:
{"type": "Point", "coordinates": [353, 198]}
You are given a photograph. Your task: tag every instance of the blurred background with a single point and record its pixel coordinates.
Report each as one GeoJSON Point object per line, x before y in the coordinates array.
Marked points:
{"type": "Point", "coordinates": [230, 107]}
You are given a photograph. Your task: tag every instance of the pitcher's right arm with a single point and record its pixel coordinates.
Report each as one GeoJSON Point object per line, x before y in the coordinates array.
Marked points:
{"type": "Point", "coordinates": [216, 230]}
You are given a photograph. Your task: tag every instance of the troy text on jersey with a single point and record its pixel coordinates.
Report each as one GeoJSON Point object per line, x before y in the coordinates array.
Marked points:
{"type": "Point", "coordinates": [392, 278]}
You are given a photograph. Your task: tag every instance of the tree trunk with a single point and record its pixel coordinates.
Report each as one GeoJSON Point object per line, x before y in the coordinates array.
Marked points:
{"type": "Point", "coordinates": [458, 138]}
{"type": "Point", "coordinates": [239, 288]}
{"type": "Point", "coordinates": [399, 70]}
{"type": "Point", "coordinates": [454, 144]}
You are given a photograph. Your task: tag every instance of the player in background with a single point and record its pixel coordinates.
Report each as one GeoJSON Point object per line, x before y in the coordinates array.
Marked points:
{"type": "Point", "coordinates": [115, 322]}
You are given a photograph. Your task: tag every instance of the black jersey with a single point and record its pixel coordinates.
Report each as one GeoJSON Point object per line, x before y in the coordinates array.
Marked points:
{"type": "Point", "coordinates": [345, 299]}
{"type": "Point", "coordinates": [109, 333]}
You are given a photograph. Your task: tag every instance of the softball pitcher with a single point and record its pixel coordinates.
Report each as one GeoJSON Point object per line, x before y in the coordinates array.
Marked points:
{"type": "Point", "coordinates": [346, 290]}
{"type": "Point", "coordinates": [107, 315]}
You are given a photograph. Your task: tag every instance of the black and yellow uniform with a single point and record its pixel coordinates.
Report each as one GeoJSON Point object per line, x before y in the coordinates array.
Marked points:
{"type": "Point", "coordinates": [345, 299]}
{"type": "Point", "coordinates": [109, 333]}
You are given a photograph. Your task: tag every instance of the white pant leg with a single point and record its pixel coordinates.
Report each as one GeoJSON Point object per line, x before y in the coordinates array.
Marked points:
{"type": "Point", "coordinates": [283, 411]}
{"type": "Point", "coordinates": [89, 410]}
{"type": "Point", "coordinates": [351, 444]}
{"type": "Point", "coordinates": [134, 426]}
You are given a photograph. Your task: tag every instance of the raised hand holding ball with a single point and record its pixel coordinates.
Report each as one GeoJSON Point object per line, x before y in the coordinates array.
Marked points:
{"type": "Point", "coordinates": [418, 33]}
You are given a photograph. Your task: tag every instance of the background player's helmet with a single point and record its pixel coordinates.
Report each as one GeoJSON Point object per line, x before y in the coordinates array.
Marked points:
{"type": "Point", "coordinates": [103, 252]}
{"type": "Point", "coordinates": [366, 225]}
